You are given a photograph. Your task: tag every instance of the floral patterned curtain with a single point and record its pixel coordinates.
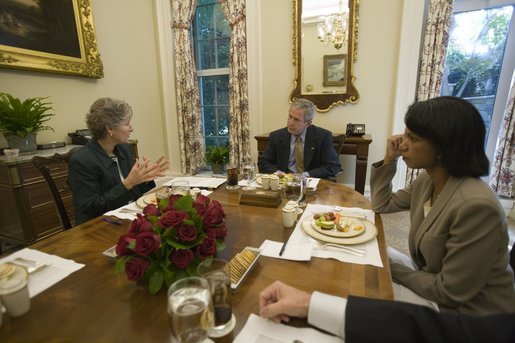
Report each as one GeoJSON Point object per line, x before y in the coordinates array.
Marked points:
{"type": "Point", "coordinates": [436, 37]}
{"type": "Point", "coordinates": [502, 175]}
{"type": "Point", "coordinates": [239, 140]}
{"type": "Point", "coordinates": [188, 99]}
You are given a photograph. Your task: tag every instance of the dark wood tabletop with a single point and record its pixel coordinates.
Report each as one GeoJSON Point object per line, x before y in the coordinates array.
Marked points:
{"type": "Point", "coordinates": [95, 304]}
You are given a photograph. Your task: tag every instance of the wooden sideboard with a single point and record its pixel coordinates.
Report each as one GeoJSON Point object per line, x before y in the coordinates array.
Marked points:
{"type": "Point", "coordinates": [356, 146]}
{"type": "Point", "coordinates": [27, 209]}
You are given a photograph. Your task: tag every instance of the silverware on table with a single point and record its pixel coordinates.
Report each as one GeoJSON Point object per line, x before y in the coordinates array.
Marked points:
{"type": "Point", "coordinates": [30, 265]}
{"type": "Point", "coordinates": [348, 250]}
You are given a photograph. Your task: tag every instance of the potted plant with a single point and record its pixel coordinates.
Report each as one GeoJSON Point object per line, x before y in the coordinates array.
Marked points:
{"type": "Point", "coordinates": [20, 121]}
{"type": "Point", "coordinates": [218, 156]}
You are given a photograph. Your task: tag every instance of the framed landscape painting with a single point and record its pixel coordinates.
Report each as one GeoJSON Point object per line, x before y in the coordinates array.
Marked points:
{"type": "Point", "coordinates": [335, 70]}
{"type": "Point", "coordinates": [50, 36]}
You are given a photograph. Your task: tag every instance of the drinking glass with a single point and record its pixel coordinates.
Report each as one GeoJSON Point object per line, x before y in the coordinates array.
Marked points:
{"type": "Point", "coordinates": [294, 188]}
{"type": "Point", "coordinates": [181, 187]}
{"type": "Point", "coordinates": [249, 173]}
{"type": "Point", "coordinates": [218, 273]}
{"type": "Point", "coordinates": [190, 310]}
{"type": "Point", "coordinates": [304, 180]}
{"type": "Point", "coordinates": [232, 177]}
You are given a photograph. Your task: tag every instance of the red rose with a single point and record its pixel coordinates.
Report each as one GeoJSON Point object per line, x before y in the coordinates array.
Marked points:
{"type": "Point", "coordinates": [186, 233]}
{"type": "Point", "coordinates": [219, 231]}
{"type": "Point", "coordinates": [172, 199]}
{"type": "Point", "coordinates": [171, 218]}
{"type": "Point", "coordinates": [136, 267]}
{"type": "Point", "coordinates": [140, 224]}
{"type": "Point", "coordinates": [151, 210]}
{"type": "Point", "coordinates": [146, 243]}
{"type": "Point", "coordinates": [181, 258]}
{"type": "Point", "coordinates": [214, 214]}
{"type": "Point", "coordinates": [207, 248]}
{"type": "Point", "coordinates": [201, 203]}
{"type": "Point", "coordinates": [121, 246]}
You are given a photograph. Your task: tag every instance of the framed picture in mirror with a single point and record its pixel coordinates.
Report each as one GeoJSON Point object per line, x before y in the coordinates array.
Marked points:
{"type": "Point", "coordinates": [335, 70]}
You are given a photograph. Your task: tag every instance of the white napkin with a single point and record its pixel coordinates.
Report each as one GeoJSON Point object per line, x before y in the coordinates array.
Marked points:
{"type": "Point", "coordinates": [261, 330]}
{"type": "Point", "coordinates": [312, 182]}
{"type": "Point", "coordinates": [299, 237]}
{"type": "Point", "coordinates": [57, 269]}
{"type": "Point", "coordinates": [299, 252]}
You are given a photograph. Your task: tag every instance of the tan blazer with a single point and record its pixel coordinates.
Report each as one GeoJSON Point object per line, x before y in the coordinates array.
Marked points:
{"type": "Point", "coordinates": [461, 247]}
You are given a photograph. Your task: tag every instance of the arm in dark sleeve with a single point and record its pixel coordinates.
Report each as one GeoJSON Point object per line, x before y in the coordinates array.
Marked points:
{"type": "Point", "coordinates": [329, 164]}
{"type": "Point", "coordinates": [372, 320]}
{"type": "Point", "coordinates": [268, 161]}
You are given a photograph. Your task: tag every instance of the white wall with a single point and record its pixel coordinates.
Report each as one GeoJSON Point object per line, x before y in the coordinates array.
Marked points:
{"type": "Point", "coordinates": [125, 33]}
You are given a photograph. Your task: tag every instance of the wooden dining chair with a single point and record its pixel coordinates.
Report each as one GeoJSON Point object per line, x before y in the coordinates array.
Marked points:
{"type": "Point", "coordinates": [340, 141]}
{"type": "Point", "coordinates": [45, 165]}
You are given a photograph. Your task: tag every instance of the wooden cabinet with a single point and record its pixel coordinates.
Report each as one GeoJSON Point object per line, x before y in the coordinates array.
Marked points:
{"type": "Point", "coordinates": [27, 209]}
{"type": "Point", "coordinates": [356, 146]}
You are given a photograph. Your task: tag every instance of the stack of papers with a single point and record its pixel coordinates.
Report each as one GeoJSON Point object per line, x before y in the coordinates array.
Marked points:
{"type": "Point", "coordinates": [200, 182]}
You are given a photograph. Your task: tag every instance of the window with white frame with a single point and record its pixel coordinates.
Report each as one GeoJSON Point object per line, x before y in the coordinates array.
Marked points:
{"type": "Point", "coordinates": [211, 42]}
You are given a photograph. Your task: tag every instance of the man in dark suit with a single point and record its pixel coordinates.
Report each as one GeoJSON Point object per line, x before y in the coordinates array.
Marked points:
{"type": "Point", "coordinates": [301, 147]}
{"type": "Point", "coordinates": [359, 319]}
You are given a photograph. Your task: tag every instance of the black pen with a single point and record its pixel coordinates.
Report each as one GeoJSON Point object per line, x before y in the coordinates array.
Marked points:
{"type": "Point", "coordinates": [282, 249]}
{"type": "Point", "coordinates": [112, 221]}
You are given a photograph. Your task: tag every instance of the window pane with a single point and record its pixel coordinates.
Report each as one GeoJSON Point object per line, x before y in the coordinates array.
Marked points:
{"type": "Point", "coordinates": [204, 22]}
{"type": "Point", "coordinates": [222, 26]}
{"type": "Point", "coordinates": [209, 121]}
{"type": "Point", "coordinates": [474, 57]}
{"type": "Point", "coordinates": [222, 90]}
{"type": "Point", "coordinates": [224, 45]}
{"type": "Point", "coordinates": [208, 90]}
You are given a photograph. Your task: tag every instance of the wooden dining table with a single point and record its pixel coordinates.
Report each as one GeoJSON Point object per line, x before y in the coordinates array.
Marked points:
{"type": "Point", "coordinates": [95, 304]}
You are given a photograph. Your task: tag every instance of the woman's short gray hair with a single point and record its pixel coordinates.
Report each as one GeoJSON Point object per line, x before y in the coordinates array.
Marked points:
{"type": "Point", "coordinates": [106, 113]}
{"type": "Point", "coordinates": [307, 106]}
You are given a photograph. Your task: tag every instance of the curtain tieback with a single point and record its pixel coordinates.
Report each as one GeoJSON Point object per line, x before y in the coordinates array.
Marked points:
{"type": "Point", "coordinates": [237, 20]}
{"type": "Point", "coordinates": [179, 25]}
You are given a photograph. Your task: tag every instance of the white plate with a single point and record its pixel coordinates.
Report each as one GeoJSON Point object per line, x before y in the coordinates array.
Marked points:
{"type": "Point", "coordinates": [369, 234]}
{"type": "Point", "coordinates": [341, 234]}
{"type": "Point", "coordinates": [146, 199]}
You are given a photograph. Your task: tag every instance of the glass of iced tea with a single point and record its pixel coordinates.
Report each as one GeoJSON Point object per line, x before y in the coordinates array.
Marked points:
{"type": "Point", "coordinates": [218, 273]}
{"type": "Point", "coordinates": [190, 310]}
{"type": "Point", "coordinates": [232, 176]}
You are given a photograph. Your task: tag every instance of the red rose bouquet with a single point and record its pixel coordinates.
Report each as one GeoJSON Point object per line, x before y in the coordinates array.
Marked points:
{"type": "Point", "coordinates": [168, 241]}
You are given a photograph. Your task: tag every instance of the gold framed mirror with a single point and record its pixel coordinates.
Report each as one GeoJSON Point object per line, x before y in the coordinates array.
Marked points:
{"type": "Point", "coordinates": [324, 51]}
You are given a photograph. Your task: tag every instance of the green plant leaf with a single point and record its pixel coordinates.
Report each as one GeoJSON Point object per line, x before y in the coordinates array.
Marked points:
{"type": "Point", "coordinates": [155, 283]}
{"type": "Point", "coordinates": [120, 264]}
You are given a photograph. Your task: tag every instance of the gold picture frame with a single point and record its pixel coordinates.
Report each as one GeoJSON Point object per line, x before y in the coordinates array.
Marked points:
{"type": "Point", "coordinates": [49, 38]}
{"type": "Point", "coordinates": [335, 70]}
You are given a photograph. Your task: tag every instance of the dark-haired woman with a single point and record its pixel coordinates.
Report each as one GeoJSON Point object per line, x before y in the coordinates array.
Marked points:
{"type": "Point", "coordinates": [103, 174]}
{"type": "Point", "coordinates": [458, 239]}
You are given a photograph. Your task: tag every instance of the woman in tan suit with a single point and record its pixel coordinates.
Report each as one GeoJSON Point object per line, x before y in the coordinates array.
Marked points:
{"type": "Point", "coordinates": [458, 239]}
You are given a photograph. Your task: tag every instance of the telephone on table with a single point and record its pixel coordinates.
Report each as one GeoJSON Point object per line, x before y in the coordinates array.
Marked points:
{"type": "Point", "coordinates": [355, 129]}
{"type": "Point", "coordinates": [80, 137]}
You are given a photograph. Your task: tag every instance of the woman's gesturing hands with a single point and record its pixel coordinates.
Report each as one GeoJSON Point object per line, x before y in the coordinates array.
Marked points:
{"type": "Point", "coordinates": [145, 171]}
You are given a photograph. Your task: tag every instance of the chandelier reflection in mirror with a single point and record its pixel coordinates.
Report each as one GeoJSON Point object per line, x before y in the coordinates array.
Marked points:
{"type": "Point", "coordinates": [333, 28]}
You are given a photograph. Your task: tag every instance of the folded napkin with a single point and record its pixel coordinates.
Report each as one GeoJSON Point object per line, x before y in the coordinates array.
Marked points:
{"type": "Point", "coordinates": [57, 269]}
{"type": "Point", "coordinates": [300, 252]}
{"type": "Point", "coordinates": [261, 330]}
{"type": "Point", "coordinates": [300, 237]}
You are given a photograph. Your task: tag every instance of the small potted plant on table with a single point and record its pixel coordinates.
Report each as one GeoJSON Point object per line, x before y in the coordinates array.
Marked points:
{"type": "Point", "coordinates": [218, 156]}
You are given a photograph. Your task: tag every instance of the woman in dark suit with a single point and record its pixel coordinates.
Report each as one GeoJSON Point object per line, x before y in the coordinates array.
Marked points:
{"type": "Point", "coordinates": [103, 174]}
{"type": "Point", "coordinates": [458, 239]}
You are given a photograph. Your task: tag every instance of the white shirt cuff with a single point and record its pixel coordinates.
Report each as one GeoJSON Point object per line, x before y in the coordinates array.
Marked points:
{"type": "Point", "coordinates": [327, 312]}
